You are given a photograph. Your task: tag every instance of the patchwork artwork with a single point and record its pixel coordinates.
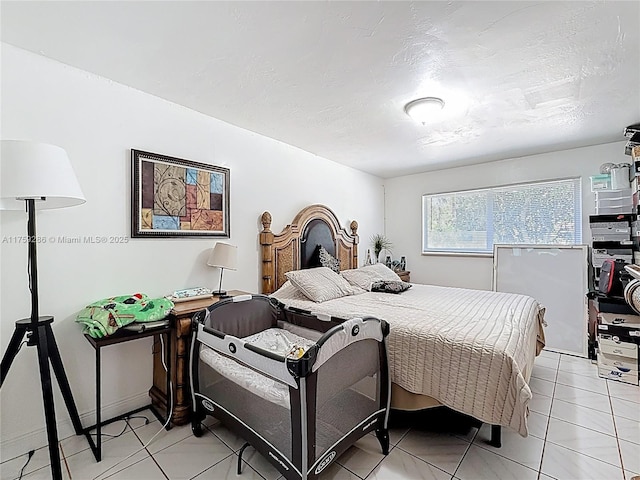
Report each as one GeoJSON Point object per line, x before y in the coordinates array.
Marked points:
{"type": "Point", "coordinates": [172, 197]}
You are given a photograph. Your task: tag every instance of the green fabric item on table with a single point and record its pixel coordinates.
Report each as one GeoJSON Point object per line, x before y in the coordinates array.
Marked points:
{"type": "Point", "coordinates": [104, 317]}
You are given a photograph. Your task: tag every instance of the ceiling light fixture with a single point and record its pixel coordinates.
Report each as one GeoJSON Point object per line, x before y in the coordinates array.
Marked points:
{"type": "Point", "coordinates": [424, 109]}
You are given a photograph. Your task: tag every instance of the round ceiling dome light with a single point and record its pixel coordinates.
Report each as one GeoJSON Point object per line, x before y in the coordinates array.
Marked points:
{"type": "Point", "coordinates": [424, 109]}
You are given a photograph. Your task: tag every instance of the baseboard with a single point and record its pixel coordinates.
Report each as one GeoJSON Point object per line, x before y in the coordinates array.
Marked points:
{"type": "Point", "coordinates": [36, 439]}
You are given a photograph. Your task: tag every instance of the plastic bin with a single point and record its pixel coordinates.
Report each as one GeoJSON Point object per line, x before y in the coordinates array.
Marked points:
{"type": "Point", "coordinates": [600, 182]}
{"type": "Point", "coordinates": [613, 210]}
{"type": "Point", "coordinates": [613, 194]}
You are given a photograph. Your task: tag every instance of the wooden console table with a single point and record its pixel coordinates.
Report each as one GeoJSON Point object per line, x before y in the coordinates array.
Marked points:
{"type": "Point", "coordinates": [179, 350]}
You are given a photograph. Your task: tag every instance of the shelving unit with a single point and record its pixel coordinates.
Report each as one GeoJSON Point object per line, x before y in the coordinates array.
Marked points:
{"type": "Point", "coordinates": [614, 327]}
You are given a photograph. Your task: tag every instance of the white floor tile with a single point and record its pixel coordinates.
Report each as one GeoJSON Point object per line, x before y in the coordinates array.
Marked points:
{"type": "Point", "coordinates": [144, 470]}
{"type": "Point", "coordinates": [468, 436]}
{"type": "Point", "coordinates": [540, 404]}
{"type": "Point", "coordinates": [45, 474]}
{"type": "Point", "coordinates": [163, 438]}
{"type": "Point", "coordinates": [192, 456]}
{"type": "Point", "coordinates": [481, 463]}
{"type": "Point", "coordinates": [10, 469]}
{"type": "Point", "coordinates": [537, 424]}
{"type": "Point", "coordinates": [630, 456]}
{"type": "Point", "coordinates": [526, 451]}
{"type": "Point", "coordinates": [547, 362]}
{"type": "Point", "coordinates": [544, 373]}
{"type": "Point", "coordinates": [226, 470]}
{"type": "Point", "coordinates": [580, 439]}
{"type": "Point", "coordinates": [628, 430]}
{"type": "Point", "coordinates": [626, 409]}
{"type": "Point", "coordinates": [233, 441]}
{"type": "Point", "coordinates": [396, 434]}
{"type": "Point", "coordinates": [583, 398]}
{"type": "Point", "coordinates": [581, 366]}
{"type": "Point", "coordinates": [549, 354]}
{"type": "Point", "coordinates": [117, 454]}
{"type": "Point", "coordinates": [583, 416]}
{"type": "Point", "coordinates": [399, 465]}
{"type": "Point", "coordinates": [541, 387]}
{"type": "Point", "coordinates": [260, 464]}
{"type": "Point", "coordinates": [592, 384]}
{"type": "Point", "coordinates": [565, 464]}
{"type": "Point", "coordinates": [442, 450]}
{"type": "Point", "coordinates": [336, 472]}
{"type": "Point", "coordinates": [362, 457]}
{"type": "Point", "coordinates": [624, 391]}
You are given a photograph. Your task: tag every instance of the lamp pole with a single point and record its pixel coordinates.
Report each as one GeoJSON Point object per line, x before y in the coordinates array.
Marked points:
{"type": "Point", "coordinates": [33, 260]}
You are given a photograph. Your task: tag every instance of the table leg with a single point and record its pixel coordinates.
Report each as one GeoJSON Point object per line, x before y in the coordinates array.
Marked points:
{"type": "Point", "coordinates": [98, 407]}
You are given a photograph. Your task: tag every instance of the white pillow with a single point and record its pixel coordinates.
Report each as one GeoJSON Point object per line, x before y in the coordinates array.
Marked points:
{"type": "Point", "coordinates": [361, 278]}
{"type": "Point", "coordinates": [288, 292]}
{"type": "Point", "coordinates": [383, 271]}
{"type": "Point", "coordinates": [320, 284]}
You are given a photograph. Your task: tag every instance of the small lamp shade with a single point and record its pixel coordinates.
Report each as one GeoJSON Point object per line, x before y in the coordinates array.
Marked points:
{"type": "Point", "coordinates": [30, 170]}
{"type": "Point", "coordinates": [224, 255]}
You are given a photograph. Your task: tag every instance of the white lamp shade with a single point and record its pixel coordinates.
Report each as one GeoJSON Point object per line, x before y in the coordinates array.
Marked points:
{"type": "Point", "coordinates": [30, 170]}
{"type": "Point", "coordinates": [224, 255]}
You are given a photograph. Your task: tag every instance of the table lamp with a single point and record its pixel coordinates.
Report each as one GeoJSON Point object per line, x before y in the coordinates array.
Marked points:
{"type": "Point", "coordinates": [223, 256]}
{"type": "Point", "coordinates": [39, 176]}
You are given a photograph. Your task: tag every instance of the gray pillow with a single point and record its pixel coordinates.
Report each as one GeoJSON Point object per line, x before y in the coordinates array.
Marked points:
{"type": "Point", "coordinates": [390, 286]}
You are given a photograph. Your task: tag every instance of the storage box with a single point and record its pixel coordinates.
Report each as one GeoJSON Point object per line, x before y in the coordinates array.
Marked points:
{"type": "Point", "coordinates": [614, 210]}
{"type": "Point", "coordinates": [600, 255]}
{"type": "Point", "coordinates": [614, 373]}
{"type": "Point", "coordinates": [614, 305]}
{"type": "Point", "coordinates": [600, 182]}
{"type": "Point", "coordinates": [616, 202]}
{"type": "Point", "coordinates": [611, 194]}
{"type": "Point", "coordinates": [613, 237]}
{"type": "Point", "coordinates": [617, 360]}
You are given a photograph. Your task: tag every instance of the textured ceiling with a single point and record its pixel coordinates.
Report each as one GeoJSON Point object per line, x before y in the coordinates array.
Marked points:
{"type": "Point", "coordinates": [332, 78]}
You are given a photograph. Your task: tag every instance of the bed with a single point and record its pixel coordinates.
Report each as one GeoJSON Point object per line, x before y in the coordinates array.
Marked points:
{"type": "Point", "coordinates": [469, 350]}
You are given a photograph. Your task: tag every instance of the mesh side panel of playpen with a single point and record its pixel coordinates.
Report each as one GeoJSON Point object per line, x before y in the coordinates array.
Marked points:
{"type": "Point", "coordinates": [341, 403]}
{"type": "Point", "coordinates": [269, 420]}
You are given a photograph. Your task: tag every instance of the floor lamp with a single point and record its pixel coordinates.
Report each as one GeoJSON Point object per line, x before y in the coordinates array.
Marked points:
{"type": "Point", "coordinates": [39, 176]}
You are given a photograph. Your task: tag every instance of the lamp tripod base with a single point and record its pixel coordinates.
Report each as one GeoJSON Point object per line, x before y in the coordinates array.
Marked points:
{"type": "Point", "coordinates": [40, 334]}
{"type": "Point", "coordinates": [219, 293]}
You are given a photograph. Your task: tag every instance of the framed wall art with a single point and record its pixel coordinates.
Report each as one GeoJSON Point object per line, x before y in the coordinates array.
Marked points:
{"type": "Point", "coordinates": [172, 197]}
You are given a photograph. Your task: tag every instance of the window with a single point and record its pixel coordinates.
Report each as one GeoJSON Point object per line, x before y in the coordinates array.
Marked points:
{"type": "Point", "coordinates": [473, 220]}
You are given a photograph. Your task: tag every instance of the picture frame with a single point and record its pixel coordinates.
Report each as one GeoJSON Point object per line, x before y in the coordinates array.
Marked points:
{"type": "Point", "coordinates": [173, 197]}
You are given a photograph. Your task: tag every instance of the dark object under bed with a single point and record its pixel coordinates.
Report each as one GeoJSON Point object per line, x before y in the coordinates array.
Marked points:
{"type": "Point", "coordinates": [300, 389]}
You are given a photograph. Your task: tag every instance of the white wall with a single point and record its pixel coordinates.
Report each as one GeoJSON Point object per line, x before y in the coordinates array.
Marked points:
{"type": "Point", "coordinates": [403, 206]}
{"type": "Point", "coordinates": [98, 121]}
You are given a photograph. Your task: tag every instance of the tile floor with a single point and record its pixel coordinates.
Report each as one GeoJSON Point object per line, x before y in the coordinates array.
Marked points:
{"type": "Point", "coordinates": [581, 427]}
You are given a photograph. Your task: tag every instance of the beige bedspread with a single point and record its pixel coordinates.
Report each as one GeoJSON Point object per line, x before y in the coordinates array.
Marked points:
{"type": "Point", "coordinates": [472, 350]}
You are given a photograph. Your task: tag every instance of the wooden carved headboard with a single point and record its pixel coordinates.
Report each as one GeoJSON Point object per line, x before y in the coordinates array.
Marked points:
{"type": "Point", "coordinates": [292, 248]}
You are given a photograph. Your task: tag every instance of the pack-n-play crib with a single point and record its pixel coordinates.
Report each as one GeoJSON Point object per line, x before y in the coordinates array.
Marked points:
{"type": "Point", "coordinates": [299, 388]}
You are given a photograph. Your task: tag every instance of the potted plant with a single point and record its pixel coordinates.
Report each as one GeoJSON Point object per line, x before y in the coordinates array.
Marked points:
{"type": "Point", "coordinates": [379, 242]}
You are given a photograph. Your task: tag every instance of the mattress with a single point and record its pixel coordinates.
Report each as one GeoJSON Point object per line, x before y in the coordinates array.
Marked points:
{"type": "Point", "coordinates": [275, 340]}
{"type": "Point", "coordinates": [471, 350]}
